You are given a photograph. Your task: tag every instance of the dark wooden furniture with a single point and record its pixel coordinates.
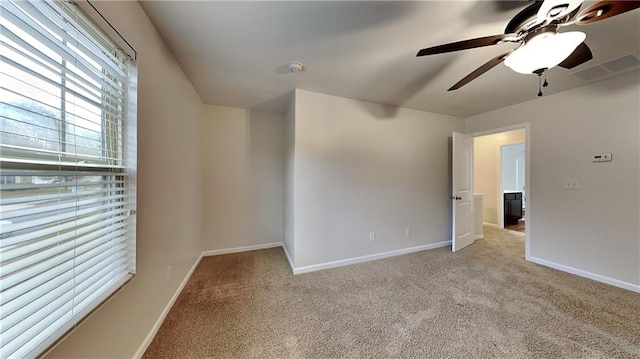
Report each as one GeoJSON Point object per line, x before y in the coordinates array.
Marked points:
{"type": "Point", "coordinates": [512, 207]}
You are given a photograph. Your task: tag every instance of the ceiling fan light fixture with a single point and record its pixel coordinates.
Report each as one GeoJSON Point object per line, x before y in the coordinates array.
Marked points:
{"type": "Point", "coordinates": [544, 51]}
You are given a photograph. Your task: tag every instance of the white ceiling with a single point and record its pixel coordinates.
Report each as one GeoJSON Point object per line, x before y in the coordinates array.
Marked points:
{"type": "Point", "coordinates": [235, 53]}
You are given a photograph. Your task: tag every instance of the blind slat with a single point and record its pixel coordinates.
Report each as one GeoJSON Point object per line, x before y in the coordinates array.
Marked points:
{"type": "Point", "coordinates": [67, 31]}
{"type": "Point", "coordinates": [38, 251]}
{"type": "Point", "coordinates": [63, 206]}
{"type": "Point", "coordinates": [59, 227]}
{"type": "Point", "coordinates": [32, 307]}
{"type": "Point", "coordinates": [33, 258]}
{"type": "Point", "coordinates": [27, 272]}
{"type": "Point", "coordinates": [29, 26]}
{"type": "Point", "coordinates": [28, 51]}
{"type": "Point", "coordinates": [62, 217]}
{"type": "Point", "coordinates": [104, 99]}
{"type": "Point", "coordinates": [9, 334]}
{"type": "Point", "coordinates": [12, 348]}
{"type": "Point", "coordinates": [99, 279]}
{"type": "Point", "coordinates": [96, 269]}
{"type": "Point", "coordinates": [12, 293]}
{"type": "Point", "coordinates": [45, 271]}
{"type": "Point", "coordinates": [36, 23]}
{"type": "Point", "coordinates": [40, 198]}
{"type": "Point", "coordinates": [30, 296]}
{"type": "Point", "coordinates": [78, 172]}
{"type": "Point", "coordinates": [46, 157]}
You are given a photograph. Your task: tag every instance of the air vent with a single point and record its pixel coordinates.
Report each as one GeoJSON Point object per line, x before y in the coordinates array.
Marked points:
{"type": "Point", "coordinates": [608, 68]}
{"type": "Point", "coordinates": [622, 63]}
{"type": "Point", "coordinates": [591, 73]}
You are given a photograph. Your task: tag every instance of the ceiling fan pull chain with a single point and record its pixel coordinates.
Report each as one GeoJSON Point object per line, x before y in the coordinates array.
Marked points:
{"type": "Point", "coordinates": [540, 84]}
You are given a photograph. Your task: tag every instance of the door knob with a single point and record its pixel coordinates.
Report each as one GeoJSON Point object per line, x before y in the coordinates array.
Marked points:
{"type": "Point", "coordinates": [457, 198]}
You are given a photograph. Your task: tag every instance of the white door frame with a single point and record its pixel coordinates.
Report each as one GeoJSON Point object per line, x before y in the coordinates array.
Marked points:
{"type": "Point", "coordinates": [527, 175]}
{"type": "Point", "coordinates": [499, 194]}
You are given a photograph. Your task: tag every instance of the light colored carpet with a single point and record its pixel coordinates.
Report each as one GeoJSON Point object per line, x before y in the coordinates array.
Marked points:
{"type": "Point", "coordinates": [483, 302]}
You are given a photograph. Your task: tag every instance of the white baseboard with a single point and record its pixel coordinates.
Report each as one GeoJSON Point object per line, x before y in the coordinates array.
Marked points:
{"type": "Point", "coordinates": [289, 259]}
{"type": "Point", "coordinates": [156, 326]}
{"type": "Point", "coordinates": [478, 236]}
{"type": "Point", "coordinates": [490, 224]}
{"type": "Point", "coordinates": [218, 252]}
{"type": "Point", "coordinates": [579, 272]}
{"type": "Point", "coordinates": [344, 262]}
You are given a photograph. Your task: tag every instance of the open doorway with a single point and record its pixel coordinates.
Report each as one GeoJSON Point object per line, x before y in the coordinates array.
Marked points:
{"type": "Point", "coordinates": [503, 193]}
{"type": "Point", "coordinates": [513, 187]}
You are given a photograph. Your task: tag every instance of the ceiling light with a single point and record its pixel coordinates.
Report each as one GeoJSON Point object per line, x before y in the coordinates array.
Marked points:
{"type": "Point", "coordinates": [544, 51]}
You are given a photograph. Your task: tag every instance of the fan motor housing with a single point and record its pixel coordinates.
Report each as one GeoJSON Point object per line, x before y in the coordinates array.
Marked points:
{"type": "Point", "coordinates": [526, 20]}
{"type": "Point", "coordinates": [542, 30]}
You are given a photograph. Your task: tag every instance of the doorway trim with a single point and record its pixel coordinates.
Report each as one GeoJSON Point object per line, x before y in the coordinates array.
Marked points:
{"type": "Point", "coordinates": [527, 149]}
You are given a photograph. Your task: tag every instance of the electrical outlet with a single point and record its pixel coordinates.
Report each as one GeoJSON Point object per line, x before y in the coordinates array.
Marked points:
{"type": "Point", "coordinates": [372, 236]}
{"type": "Point", "coordinates": [407, 232]}
{"type": "Point", "coordinates": [571, 184]}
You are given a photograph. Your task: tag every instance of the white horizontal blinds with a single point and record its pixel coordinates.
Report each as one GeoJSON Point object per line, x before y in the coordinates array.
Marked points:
{"type": "Point", "coordinates": [67, 172]}
{"type": "Point", "coordinates": [57, 76]}
{"type": "Point", "coordinates": [79, 235]}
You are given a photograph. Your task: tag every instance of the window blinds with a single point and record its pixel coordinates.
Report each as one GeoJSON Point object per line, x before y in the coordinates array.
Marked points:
{"type": "Point", "coordinates": [67, 172]}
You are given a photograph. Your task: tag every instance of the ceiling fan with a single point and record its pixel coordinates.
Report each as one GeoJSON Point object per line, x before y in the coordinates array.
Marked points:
{"type": "Point", "coordinates": [542, 46]}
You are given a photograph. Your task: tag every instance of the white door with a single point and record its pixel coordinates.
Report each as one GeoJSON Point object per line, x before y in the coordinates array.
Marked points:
{"type": "Point", "coordinates": [462, 196]}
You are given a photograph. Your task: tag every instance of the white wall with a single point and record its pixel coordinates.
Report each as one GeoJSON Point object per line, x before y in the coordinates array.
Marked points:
{"type": "Point", "coordinates": [169, 196]}
{"type": "Point", "coordinates": [513, 168]}
{"type": "Point", "coordinates": [594, 229]}
{"type": "Point", "coordinates": [486, 162]}
{"type": "Point", "coordinates": [243, 168]}
{"type": "Point", "coordinates": [289, 158]}
{"type": "Point", "coordinates": [266, 150]}
{"type": "Point", "coordinates": [362, 167]}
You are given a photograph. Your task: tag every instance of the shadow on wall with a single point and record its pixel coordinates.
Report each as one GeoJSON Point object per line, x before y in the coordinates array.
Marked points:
{"type": "Point", "coordinates": [396, 97]}
{"type": "Point", "coordinates": [265, 136]}
{"type": "Point", "coordinates": [276, 104]}
{"type": "Point", "coordinates": [492, 11]}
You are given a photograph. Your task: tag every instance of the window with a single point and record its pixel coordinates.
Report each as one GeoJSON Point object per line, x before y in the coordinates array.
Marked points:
{"type": "Point", "coordinates": [67, 172]}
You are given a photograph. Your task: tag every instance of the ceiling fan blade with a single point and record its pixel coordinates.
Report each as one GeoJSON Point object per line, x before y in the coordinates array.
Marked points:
{"type": "Point", "coordinates": [604, 10]}
{"type": "Point", "coordinates": [464, 45]}
{"type": "Point", "coordinates": [579, 56]}
{"type": "Point", "coordinates": [526, 15]}
{"type": "Point", "coordinates": [481, 70]}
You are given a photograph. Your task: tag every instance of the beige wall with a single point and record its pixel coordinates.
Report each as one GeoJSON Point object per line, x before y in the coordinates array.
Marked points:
{"type": "Point", "coordinates": [362, 167]}
{"type": "Point", "coordinates": [243, 168]}
{"type": "Point", "coordinates": [595, 229]}
{"type": "Point", "coordinates": [212, 178]}
{"type": "Point", "coordinates": [486, 167]}
{"type": "Point", "coordinates": [169, 196]}
{"type": "Point", "coordinates": [289, 157]}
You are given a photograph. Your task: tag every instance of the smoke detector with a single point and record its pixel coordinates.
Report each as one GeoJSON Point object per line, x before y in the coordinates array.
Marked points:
{"type": "Point", "coordinates": [295, 66]}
